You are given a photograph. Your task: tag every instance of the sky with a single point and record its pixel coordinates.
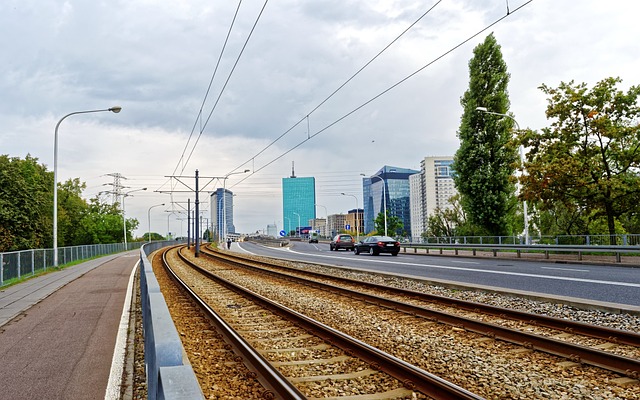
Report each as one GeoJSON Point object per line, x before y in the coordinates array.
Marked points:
{"type": "Point", "coordinates": [218, 87]}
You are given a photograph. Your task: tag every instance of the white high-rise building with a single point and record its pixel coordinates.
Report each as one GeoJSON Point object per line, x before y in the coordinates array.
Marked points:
{"type": "Point", "coordinates": [416, 204]}
{"type": "Point", "coordinates": [434, 190]}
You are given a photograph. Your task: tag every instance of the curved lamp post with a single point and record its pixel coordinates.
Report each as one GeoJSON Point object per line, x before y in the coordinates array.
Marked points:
{"type": "Point", "coordinates": [357, 212]}
{"type": "Point", "coordinates": [149, 219]}
{"type": "Point", "coordinates": [224, 199]}
{"type": "Point", "coordinates": [524, 202]}
{"type": "Point", "coordinates": [384, 200]}
{"type": "Point", "coordinates": [115, 109]}
{"type": "Point", "coordinates": [124, 220]}
{"type": "Point", "coordinates": [326, 224]}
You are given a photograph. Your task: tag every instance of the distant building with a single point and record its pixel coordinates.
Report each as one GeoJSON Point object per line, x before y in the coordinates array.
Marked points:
{"type": "Point", "coordinates": [218, 203]}
{"type": "Point", "coordinates": [272, 230]}
{"type": "Point", "coordinates": [337, 224]}
{"type": "Point", "coordinates": [416, 203]}
{"type": "Point", "coordinates": [353, 218]}
{"type": "Point", "coordinates": [432, 190]}
{"type": "Point", "coordinates": [393, 183]}
{"type": "Point", "coordinates": [298, 201]}
{"type": "Point", "coordinates": [319, 225]}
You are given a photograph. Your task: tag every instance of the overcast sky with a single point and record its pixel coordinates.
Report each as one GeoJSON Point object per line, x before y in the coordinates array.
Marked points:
{"type": "Point", "coordinates": [155, 59]}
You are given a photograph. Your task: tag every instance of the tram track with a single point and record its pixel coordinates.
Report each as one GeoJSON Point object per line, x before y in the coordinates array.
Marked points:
{"type": "Point", "coordinates": [612, 349]}
{"type": "Point", "coordinates": [363, 371]}
{"type": "Point", "coordinates": [474, 361]}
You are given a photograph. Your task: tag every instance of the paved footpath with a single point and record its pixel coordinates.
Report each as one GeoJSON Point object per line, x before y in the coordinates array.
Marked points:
{"type": "Point", "coordinates": [58, 331]}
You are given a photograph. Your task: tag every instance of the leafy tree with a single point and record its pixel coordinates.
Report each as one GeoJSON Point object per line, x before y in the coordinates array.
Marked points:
{"type": "Point", "coordinates": [395, 227]}
{"type": "Point", "coordinates": [588, 161]}
{"type": "Point", "coordinates": [485, 162]}
{"type": "Point", "coordinates": [154, 236]}
{"type": "Point", "coordinates": [72, 208]}
{"type": "Point", "coordinates": [447, 221]}
{"type": "Point", "coordinates": [26, 204]}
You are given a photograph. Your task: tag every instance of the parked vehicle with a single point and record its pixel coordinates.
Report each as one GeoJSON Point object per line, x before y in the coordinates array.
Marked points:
{"type": "Point", "coordinates": [342, 241]}
{"type": "Point", "coordinates": [375, 245]}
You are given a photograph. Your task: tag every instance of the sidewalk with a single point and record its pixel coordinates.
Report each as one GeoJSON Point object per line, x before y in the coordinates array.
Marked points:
{"type": "Point", "coordinates": [58, 331]}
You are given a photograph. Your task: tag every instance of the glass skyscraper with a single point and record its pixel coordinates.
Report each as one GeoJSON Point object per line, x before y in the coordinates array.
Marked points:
{"type": "Point", "coordinates": [396, 191]}
{"type": "Point", "coordinates": [298, 202]}
{"type": "Point", "coordinates": [218, 203]}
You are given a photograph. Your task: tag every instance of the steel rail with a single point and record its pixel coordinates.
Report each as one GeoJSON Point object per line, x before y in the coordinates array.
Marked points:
{"type": "Point", "coordinates": [272, 380]}
{"type": "Point", "coordinates": [612, 362]}
{"type": "Point", "coordinates": [412, 377]}
{"type": "Point", "coordinates": [617, 336]}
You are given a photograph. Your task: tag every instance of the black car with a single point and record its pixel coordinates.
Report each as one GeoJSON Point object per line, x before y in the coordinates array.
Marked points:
{"type": "Point", "coordinates": [342, 241]}
{"type": "Point", "coordinates": [375, 245]}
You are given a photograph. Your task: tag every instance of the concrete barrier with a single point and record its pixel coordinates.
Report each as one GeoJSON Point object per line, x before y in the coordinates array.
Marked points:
{"type": "Point", "coordinates": [169, 375]}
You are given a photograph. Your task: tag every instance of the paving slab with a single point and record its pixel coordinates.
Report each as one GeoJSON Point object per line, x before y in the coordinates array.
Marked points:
{"type": "Point", "coordinates": [58, 331]}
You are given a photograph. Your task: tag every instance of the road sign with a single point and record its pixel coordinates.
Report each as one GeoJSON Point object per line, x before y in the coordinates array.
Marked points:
{"type": "Point", "coordinates": [283, 233]}
{"type": "Point", "coordinates": [347, 227]}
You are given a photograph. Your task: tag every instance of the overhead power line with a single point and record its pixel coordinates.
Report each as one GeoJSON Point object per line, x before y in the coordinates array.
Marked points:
{"type": "Point", "coordinates": [338, 89]}
{"type": "Point", "coordinates": [226, 83]}
{"type": "Point", "coordinates": [311, 136]}
{"type": "Point", "coordinates": [206, 95]}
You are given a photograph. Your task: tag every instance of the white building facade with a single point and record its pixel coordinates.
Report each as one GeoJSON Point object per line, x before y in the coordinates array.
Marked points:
{"type": "Point", "coordinates": [431, 189]}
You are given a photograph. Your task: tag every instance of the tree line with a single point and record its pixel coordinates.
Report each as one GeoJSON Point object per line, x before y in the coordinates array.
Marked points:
{"type": "Point", "coordinates": [26, 210]}
{"type": "Point", "coordinates": [580, 175]}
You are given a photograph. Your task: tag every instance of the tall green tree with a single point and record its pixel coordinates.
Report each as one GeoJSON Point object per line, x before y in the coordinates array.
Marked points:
{"type": "Point", "coordinates": [588, 160]}
{"type": "Point", "coordinates": [26, 204]}
{"type": "Point", "coordinates": [395, 227]}
{"type": "Point", "coordinates": [485, 161]}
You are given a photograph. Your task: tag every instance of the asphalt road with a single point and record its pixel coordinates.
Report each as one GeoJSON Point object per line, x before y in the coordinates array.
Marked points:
{"type": "Point", "coordinates": [585, 282]}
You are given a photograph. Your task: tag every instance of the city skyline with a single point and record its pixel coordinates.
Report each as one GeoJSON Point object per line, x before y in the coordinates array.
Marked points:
{"type": "Point", "coordinates": [274, 98]}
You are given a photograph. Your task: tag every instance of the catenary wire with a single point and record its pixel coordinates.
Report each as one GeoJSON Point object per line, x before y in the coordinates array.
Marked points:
{"type": "Point", "coordinates": [226, 83]}
{"type": "Point", "coordinates": [382, 93]}
{"type": "Point", "coordinates": [204, 100]}
{"type": "Point", "coordinates": [339, 87]}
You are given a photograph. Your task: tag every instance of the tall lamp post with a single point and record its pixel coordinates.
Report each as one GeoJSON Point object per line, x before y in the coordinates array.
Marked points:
{"type": "Point", "coordinates": [326, 224]}
{"type": "Point", "coordinates": [298, 223]}
{"type": "Point", "coordinates": [149, 218]}
{"type": "Point", "coordinates": [357, 220]}
{"type": "Point", "coordinates": [289, 231]}
{"type": "Point", "coordinates": [115, 109]}
{"type": "Point", "coordinates": [224, 199]}
{"type": "Point", "coordinates": [384, 200]}
{"type": "Point", "coordinates": [124, 220]}
{"type": "Point", "coordinates": [524, 202]}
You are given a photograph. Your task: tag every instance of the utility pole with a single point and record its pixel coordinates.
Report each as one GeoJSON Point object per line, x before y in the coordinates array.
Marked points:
{"type": "Point", "coordinates": [197, 233]}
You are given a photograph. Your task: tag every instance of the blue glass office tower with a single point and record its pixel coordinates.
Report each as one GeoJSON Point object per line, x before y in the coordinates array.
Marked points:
{"type": "Point", "coordinates": [396, 191]}
{"type": "Point", "coordinates": [298, 202]}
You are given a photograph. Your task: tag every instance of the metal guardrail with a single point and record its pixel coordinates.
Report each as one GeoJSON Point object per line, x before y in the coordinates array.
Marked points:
{"type": "Point", "coordinates": [169, 374]}
{"type": "Point", "coordinates": [558, 240]}
{"type": "Point", "coordinates": [618, 251]}
{"type": "Point", "coordinates": [18, 264]}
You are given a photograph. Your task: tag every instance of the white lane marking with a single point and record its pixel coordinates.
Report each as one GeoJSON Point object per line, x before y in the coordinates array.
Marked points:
{"type": "Point", "coordinates": [117, 362]}
{"type": "Point", "coordinates": [558, 278]}
{"type": "Point", "coordinates": [246, 251]}
{"type": "Point", "coordinates": [566, 269]}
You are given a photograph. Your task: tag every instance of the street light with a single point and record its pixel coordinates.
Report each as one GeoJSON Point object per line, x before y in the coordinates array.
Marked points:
{"type": "Point", "coordinates": [224, 199]}
{"type": "Point", "coordinates": [298, 223]}
{"type": "Point", "coordinates": [289, 231]}
{"type": "Point", "coordinates": [115, 109]}
{"type": "Point", "coordinates": [524, 202]}
{"type": "Point", "coordinates": [384, 200]}
{"type": "Point", "coordinates": [149, 218]}
{"type": "Point", "coordinates": [357, 212]}
{"type": "Point", "coordinates": [326, 224]}
{"type": "Point", "coordinates": [124, 220]}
